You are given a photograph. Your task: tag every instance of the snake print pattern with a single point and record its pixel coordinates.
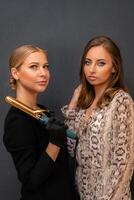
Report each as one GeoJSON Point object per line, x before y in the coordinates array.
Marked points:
{"type": "Point", "coordinates": [105, 149]}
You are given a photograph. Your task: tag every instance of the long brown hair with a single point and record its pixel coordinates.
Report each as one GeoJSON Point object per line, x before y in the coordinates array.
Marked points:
{"type": "Point", "coordinates": [87, 94]}
{"type": "Point", "coordinates": [18, 56]}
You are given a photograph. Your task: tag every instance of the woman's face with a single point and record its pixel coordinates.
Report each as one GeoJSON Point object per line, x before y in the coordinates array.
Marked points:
{"type": "Point", "coordinates": [98, 67]}
{"type": "Point", "coordinates": [33, 75]}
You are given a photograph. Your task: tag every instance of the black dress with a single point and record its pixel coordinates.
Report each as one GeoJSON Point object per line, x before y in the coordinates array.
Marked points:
{"type": "Point", "coordinates": [41, 178]}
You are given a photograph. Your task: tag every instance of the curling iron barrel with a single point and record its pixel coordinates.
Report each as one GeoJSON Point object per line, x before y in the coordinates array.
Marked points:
{"type": "Point", "coordinates": [38, 114]}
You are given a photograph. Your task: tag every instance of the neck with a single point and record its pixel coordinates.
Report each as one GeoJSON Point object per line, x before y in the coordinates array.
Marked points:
{"type": "Point", "coordinates": [99, 90]}
{"type": "Point", "coordinates": [30, 99]}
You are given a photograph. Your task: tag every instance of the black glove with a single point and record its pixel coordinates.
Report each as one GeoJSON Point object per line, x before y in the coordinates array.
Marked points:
{"type": "Point", "coordinates": [57, 132]}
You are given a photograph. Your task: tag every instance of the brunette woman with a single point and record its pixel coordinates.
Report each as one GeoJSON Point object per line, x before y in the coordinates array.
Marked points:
{"type": "Point", "coordinates": [101, 111]}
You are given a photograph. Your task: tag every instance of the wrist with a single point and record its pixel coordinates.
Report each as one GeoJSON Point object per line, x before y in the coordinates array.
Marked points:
{"type": "Point", "coordinates": [72, 105]}
{"type": "Point", "coordinates": [52, 150]}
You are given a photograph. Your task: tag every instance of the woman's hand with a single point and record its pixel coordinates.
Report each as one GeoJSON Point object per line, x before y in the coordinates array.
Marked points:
{"type": "Point", "coordinates": [57, 132]}
{"type": "Point", "coordinates": [75, 97]}
{"type": "Point", "coordinates": [57, 137]}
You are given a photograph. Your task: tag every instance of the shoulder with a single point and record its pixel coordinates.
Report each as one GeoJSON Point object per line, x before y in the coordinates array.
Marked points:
{"type": "Point", "coordinates": [122, 105]}
{"type": "Point", "coordinates": [15, 115]}
{"type": "Point", "coordinates": [19, 129]}
{"type": "Point", "coordinates": [122, 97]}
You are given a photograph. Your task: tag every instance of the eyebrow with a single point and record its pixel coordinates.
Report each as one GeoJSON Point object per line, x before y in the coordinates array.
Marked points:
{"type": "Point", "coordinates": [37, 63]}
{"type": "Point", "coordinates": [101, 59]}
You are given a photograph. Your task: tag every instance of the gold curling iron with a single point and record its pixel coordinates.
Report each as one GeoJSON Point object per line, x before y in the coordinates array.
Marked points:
{"type": "Point", "coordinates": [39, 114]}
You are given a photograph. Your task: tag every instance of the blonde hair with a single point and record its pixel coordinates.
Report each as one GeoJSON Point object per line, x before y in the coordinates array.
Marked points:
{"type": "Point", "coordinates": [17, 58]}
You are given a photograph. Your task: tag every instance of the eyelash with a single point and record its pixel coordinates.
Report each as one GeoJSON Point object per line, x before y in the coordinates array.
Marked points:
{"type": "Point", "coordinates": [35, 66]}
{"type": "Point", "coordinates": [101, 63]}
{"type": "Point", "coordinates": [46, 66]}
{"type": "Point", "coordinates": [86, 62]}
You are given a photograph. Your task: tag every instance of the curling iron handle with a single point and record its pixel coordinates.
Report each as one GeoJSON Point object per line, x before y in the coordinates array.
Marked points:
{"type": "Point", "coordinates": [44, 120]}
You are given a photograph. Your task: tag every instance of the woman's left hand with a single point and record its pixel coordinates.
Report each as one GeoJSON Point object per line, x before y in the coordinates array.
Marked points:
{"type": "Point", "coordinates": [75, 97]}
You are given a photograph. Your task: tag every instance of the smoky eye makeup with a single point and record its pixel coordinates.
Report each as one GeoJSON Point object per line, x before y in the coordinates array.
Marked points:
{"type": "Point", "coordinates": [87, 62]}
{"type": "Point", "coordinates": [101, 63]}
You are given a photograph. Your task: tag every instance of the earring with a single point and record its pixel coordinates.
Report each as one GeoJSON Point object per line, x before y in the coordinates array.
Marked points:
{"type": "Point", "coordinates": [113, 70]}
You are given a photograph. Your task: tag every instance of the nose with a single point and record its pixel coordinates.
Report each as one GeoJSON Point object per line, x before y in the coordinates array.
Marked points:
{"type": "Point", "coordinates": [92, 68]}
{"type": "Point", "coordinates": [43, 71]}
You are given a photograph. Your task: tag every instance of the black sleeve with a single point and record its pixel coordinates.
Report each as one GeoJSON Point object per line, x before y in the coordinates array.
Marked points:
{"type": "Point", "coordinates": [132, 187]}
{"type": "Point", "coordinates": [21, 142]}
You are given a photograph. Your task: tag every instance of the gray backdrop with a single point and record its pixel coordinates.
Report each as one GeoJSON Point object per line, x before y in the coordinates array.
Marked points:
{"type": "Point", "coordinates": [62, 27]}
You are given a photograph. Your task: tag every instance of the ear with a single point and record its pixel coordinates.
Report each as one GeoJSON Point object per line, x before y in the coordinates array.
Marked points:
{"type": "Point", "coordinates": [113, 70]}
{"type": "Point", "coordinates": [14, 73]}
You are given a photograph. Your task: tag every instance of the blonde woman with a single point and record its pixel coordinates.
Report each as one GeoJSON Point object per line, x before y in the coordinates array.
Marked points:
{"type": "Point", "coordinates": [39, 153]}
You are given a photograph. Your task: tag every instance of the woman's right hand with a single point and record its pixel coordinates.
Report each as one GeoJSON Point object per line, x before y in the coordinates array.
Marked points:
{"type": "Point", "coordinates": [75, 97]}
{"type": "Point", "coordinates": [57, 132]}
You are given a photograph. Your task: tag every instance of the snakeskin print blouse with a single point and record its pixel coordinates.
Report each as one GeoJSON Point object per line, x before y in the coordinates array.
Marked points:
{"type": "Point", "coordinates": [105, 150]}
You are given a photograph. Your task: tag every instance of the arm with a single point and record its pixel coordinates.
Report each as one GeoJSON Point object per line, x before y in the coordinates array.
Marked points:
{"type": "Point", "coordinates": [122, 162]}
{"type": "Point", "coordinates": [52, 150]}
{"type": "Point", "coordinates": [56, 130]}
{"type": "Point", "coordinates": [70, 113]}
{"type": "Point", "coordinates": [75, 97]}
{"type": "Point", "coordinates": [20, 140]}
